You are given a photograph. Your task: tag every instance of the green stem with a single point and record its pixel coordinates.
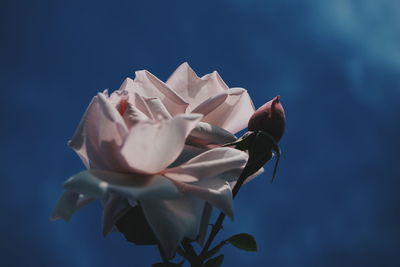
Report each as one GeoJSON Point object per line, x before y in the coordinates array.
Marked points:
{"type": "Point", "coordinates": [163, 256]}
{"type": "Point", "coordinates": [218, 224]}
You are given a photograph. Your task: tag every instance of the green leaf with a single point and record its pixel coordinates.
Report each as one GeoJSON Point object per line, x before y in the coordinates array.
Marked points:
{"type": "Point", "coordinates": [214, 262]}
{"type": "Point", "coordinates": [134, 226]}
{"type": "Point", "coordinates": [168, 264]}
{"type": "Point", "coordinates": [243, 241]}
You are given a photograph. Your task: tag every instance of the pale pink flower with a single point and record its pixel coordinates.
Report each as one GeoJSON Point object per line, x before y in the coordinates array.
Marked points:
{"type": "Point", "coordinates": [225, 110]}
{"type": "Point", "coordinates": [129, 160]}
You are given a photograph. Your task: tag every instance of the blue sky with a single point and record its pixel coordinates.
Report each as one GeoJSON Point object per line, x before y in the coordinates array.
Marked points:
{"type": "Point", "coordinates": [335, 64]}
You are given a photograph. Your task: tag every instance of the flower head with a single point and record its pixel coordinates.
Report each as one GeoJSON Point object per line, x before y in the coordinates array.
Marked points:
{"type": "Point", "coordinates": [225, 110]}
{"type": "Point", "coordinates": [137, 145]}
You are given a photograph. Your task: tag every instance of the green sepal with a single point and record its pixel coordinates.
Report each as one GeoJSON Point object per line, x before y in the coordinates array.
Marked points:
{"type": "Point", "coordinates": [260, 146]}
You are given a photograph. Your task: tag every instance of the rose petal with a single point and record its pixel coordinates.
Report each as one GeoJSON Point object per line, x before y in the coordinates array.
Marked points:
{"type": "Point", "coordinates": [153, 145]}
{"type": "Point", "coordinates": [187, 153]}
{"type": "Point", "coordinates": [157, 108]}
{"type": "Point", "coordinates": [140, 102]}
{"type": "Point", "coordinates": [205, 133]}
{"type": "Point", "coordinates": [214, 190]}
{"type": "Point", "coordinates": [77, 141]}
{"type": "Point", "coordinates": [147, 85]}
{"type": "Point", "coordinates": [114, 208]}
{"type": "Point", "coordinates": [98, 184]}
{"type": "Point", "coordinates": [118, 99]}
{"type": "Point", "coordinates": [133, 115]}
{"type": "Point", "coordinates": [68, 203]}
{"type": "Point", "coordinates": [65, 206]}
{"type": "Point", "coordinates": [172, 220]}
{"type": "Point", "coordinates": [233, 115]}
{"type": "Point", "coordinates": [210, 104]}
{"type": "Point", "coordinates": [193, 89]}
{"type": "Point", "coordinates": [99, 135]}
{"type": "Point", "coordinates": [210, 163]}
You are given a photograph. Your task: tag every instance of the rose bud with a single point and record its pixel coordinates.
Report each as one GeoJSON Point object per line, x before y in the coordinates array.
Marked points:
{"type": "Point", "coordinates": [269, 118]}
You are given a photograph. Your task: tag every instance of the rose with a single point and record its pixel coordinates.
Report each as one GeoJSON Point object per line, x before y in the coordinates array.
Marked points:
{"type": "Point", "coordinates": [225, 110]}
{"type": "Point", "coordinates": [128, 157]}
{"type": "Point", "coordinates": [131, 163]}
{"type": "Point", "coordinates": [269, 118]}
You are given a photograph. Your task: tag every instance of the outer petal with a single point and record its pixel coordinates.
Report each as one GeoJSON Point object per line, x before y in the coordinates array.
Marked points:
{"type": "Point", "coordinates": [147, 85]}
{"type": "Point", "coordinates": [187, 153]}
{"type": "Point", "coordinates": [78, 140]}
{"type": "Point", "coordinates": [100, 135]}
{"type": "Point", "coordinates": [208, 164]}
{"type": "Point", "coordinates": [233, 115]}
{"type": "Point", "coordinates": [214, 190]}
{"type": "Point", "coordinates": [205, 134]}
{"type": "Point", "coordinates": [153, 145]}
{"type": "Point", "coordinates": [114, 208]}
{"type": "Point", "coordinates": [98, 184]}
{"type": "Point", "coordinates": [172, 220]}
{"type": "Point", "coordinates": [65, 206]}
{"type": "Point", "coordinates": [193, 89]}
{"type": "Point", "coordinates": [68, 203]}
{"type": "Point", "coordinates": [211, 103]}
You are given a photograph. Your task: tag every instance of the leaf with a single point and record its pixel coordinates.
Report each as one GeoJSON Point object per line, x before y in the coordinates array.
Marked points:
{"type": "Point", "coordinates": [134, 226]}
{"type": "Point", "coordinates": [168, 264]}
{"type": "Point", "coordinates": [214, 262]}
{"type": "Point", "coordinates": [243, 241]}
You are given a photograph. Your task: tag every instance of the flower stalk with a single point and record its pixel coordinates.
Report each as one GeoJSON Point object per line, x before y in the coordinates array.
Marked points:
{"type": "Point", "coordinates": [260, 146]}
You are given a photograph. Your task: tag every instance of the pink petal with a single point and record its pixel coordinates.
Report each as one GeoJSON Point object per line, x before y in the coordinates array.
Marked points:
{"type": "Point", "coordinates": [114, 208]}
{"type": "Point", "coordinates": [68, 203]}
{"type": "Point", "coordinates": [205, 134]}
{"type": "Point", "coordinates": [233, 115]}
{"type": "Point", "coordinates": [133, 115]}
{"type": "Point", "coordinates": [119, 99]}
{"type": "Point", "coordinates": [157, 108]}
{"type": "Point", "coordinates": [193, 89]}
{"type": "Point", "coordinates": [172, 220]}
{"type": "Point", "coordinates": [99, 184]}
{"type": "Point", "coordinates": [151, 146]}
{"type": "Point", "coordinates": [187, 153]}
{"type": "Point", "coordinates": [147, 85]}
{"type": "Point", "coordinates": [214, 190]}
{"type": "Point", "coordinates": [140, 103]}
{"type": "Point", "coordinates": [100, 135]}
{"type": "Point", "coordinates": [210, 163]}
{"type": "Point", "coordinates": [65, 206]}
{"type": "Point", "coordinates": [210, 104]}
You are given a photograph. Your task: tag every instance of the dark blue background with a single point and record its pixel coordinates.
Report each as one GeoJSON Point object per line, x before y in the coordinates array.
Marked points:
{"type": "Point", "coordinates": [336, 65]}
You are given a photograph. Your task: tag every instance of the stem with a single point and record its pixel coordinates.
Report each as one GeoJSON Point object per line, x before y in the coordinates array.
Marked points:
{"type": "Point", "coordinates": [215, 250]}
{"type": "Point", "coordinates": [181, 252]}
{"type": "Point", "coordinates": [254, 163]}
{"type": "Point", "coordinates": [163, 256]}
{"type": "Point", "coordinates": [218, 224]}
{"type": "Point", "coordinates": [189, 249]}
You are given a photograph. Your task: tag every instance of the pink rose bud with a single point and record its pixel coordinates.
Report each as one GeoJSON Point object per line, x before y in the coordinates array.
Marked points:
{"type": "Point", "coordinates": [269, 118]}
